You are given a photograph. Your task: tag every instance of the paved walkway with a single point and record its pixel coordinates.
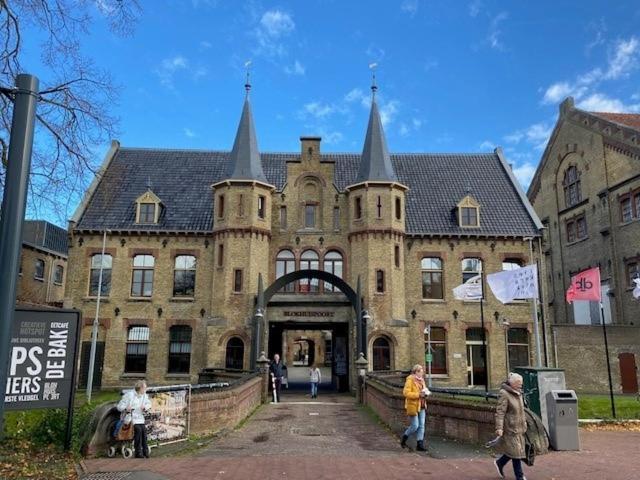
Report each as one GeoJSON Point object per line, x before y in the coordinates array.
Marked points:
{"type": "Point", "coordinates": [332, 438]}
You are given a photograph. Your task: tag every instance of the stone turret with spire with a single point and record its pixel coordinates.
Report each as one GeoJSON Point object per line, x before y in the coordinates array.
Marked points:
{"type": "Point", "coordinates": [377, 226]}
{"type": "Point", "coordinates": [242, 212]}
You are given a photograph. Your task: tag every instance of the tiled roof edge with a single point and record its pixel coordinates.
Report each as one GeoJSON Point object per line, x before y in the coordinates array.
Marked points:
{"type": "Point", "coordinates": [111, 153]}
{"type": "Point", "coordinates": [520, 192]}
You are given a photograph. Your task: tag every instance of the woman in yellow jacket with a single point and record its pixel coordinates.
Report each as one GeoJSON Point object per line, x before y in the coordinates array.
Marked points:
{"type": "Point", "coordinates": [415, 392]}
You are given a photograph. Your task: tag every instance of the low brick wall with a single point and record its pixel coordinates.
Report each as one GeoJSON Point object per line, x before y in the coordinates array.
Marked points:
{"type": "Point", "coordinates": [471, 422]}
{"type": "Point", "coordinates": [216, 410]}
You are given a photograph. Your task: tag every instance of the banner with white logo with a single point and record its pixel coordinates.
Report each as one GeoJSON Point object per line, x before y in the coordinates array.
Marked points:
{"type": "Point", "coordinates": [518, 284]}
{"type": "Point", "coordinates": [469, 290]}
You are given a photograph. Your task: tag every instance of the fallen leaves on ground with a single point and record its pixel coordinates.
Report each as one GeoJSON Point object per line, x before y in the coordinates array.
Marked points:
{"type": "Point", "coordinates": [19, 459]}
{"type": "Point", "coordinates": [613, 427]}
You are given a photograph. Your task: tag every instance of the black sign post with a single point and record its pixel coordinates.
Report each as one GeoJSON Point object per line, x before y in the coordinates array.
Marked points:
{"type": "Point", "coordinates": [43, 353]}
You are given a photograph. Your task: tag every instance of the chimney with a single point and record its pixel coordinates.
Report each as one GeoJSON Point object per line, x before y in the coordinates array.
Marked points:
{"type": "Point", "coordinates": [310, 148]}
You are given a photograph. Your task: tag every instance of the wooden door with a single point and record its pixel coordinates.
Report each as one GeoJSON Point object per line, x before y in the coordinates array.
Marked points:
{"type": "Point", "coordinates": [628, 373]}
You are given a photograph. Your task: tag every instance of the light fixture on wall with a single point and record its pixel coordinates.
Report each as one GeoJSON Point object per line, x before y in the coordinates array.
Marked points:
{"type": "Point", "coordinates": [496, 315]}
{"type": "Point", "coordinates": [202, 312]}
{"type": "Point", "coordinates": [116, 311]}
{"type": "Point", "coordinates": [414, 313]}
{"type": "Point", "coordinates": [159, 311]}
{"type": "Point", "coordinates": [455, 314]}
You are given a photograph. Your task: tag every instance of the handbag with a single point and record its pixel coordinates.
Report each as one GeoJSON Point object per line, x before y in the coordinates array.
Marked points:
{"type": "Point", "coordinates": [529, 451]}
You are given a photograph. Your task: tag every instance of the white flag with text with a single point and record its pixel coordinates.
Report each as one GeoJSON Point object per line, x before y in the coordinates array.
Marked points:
{"type": "Point", "coordinates": [636, 290]}
{"type": "Point", "coordinates": [518, 284]}
{"type": "Point", "coordinates": [469, 290]}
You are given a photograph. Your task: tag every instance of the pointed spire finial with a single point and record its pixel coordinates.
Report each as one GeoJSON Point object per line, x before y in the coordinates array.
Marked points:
{"type": "Point", "coordinates": [374, 87]}
{"type": "Point", "coordinates": [247, 85]}
{"type": "Point", "coordinates": [149, 182]}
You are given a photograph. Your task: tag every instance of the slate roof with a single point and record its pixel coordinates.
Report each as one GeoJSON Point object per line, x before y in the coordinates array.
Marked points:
{"type": "Point", "coordinates": [42, 234]}
{"type": "Point", "coordinates": [627, 119]}
{"type": "Point", "coordinates": [183, 178]}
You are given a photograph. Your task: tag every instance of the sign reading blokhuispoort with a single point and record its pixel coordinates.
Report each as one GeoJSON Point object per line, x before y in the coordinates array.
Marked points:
{"type": "Point", "coordinates": [41, 359]}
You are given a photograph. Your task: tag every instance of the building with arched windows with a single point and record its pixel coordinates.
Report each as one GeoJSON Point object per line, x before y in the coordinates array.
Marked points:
{"type": "Point", "coordinates": [214, 256]}
{"type": "Point", "coordinates": [586, 190]}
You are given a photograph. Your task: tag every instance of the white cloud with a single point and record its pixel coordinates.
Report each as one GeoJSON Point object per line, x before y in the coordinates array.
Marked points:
{"type": "Point", "coordinates": [599, 102]}
{"type": "Point", "coordinates": [430, 64]}
{"type": "Point", "coordinates": [168, 68]}
{"type": "Point", "coordinates": [410, 6]}
{"type": "Point", "coordinates": [624, 59]}
{"type": "Point", "coordinates": [388, 112]}
{"type": "Point", "coordinates": [274, 25]}
{"type": "Point", "coordinates": [204, 44]}
{"type": "Point", "coordinates": [495, 33]}
{"type": "Point", "coordinates": [487, 145]}
{"type": "Point", "coordinates": [189, 133]}
{"type": "Point", "coordinates": [558, 92]}
{"type": "Point", "coordinates": [600, 29]}
{"type": "Point", "coordinates": [524, 173]}
{"type": "Point", "coordinates": [374, 53]}
{"type": "Point", "coordinates": [330, 137]}
{"type": "Point", "coordinates": [475, 7]}
{"type": "Point", "coordinates": [277, 23]}
{"type": "Point", "coordinates": [318, 110]}
{"type": "Point", "coordinates": [536, 135]}
{"type": "Point", "coordinates": [296, 69]}
{"type": "Point", "coordinates": [416, 122]}
{"type": "Point", "coordinates": [404, 130]}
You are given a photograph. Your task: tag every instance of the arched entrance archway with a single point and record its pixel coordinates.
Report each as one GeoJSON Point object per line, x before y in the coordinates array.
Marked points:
{"type": "Point", "coordinates": [343, 329]}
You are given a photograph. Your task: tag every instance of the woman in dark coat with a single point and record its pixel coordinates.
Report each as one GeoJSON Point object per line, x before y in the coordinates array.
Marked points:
{"type": "Point", "coordinates": [511, 425]}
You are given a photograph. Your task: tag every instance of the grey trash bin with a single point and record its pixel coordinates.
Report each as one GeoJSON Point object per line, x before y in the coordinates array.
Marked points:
{"type": "Point", "coordinates": [562, 408]}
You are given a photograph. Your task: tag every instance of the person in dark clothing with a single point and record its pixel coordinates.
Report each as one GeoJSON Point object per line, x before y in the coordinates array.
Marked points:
{"type": "Point", "coordinates": [276, 373]}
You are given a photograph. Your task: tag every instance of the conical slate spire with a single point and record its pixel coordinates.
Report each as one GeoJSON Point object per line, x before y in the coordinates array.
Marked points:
{"type": "Point", "coordinates": [375, 163]}
{"type": "Point", "coordinates": [244, 160]}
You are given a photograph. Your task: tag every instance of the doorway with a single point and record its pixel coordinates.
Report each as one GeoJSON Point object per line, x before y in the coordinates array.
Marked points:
{"type": "Point", "coordinates": [301, 345]}
{"type": "Point", "coordinates": [476, 364]}
{"type": "Point", "coordinates": [628, 372]}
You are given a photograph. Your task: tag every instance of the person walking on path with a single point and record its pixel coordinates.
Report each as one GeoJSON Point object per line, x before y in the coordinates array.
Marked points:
{"type": "Point", "coordinates": [136, 402]}
{"type": "Point", "coordinates": [276, 373]}
{"type": "Point", "coordinates": [511, 425]}
{"type": "Point", "coordinates": [415, 393]}
{"type": "Point", "coordinates": [315, 377]}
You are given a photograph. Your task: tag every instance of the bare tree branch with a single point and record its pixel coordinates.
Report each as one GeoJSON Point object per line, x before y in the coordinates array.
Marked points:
{"type": "Point", "coordinates": [76, 97]}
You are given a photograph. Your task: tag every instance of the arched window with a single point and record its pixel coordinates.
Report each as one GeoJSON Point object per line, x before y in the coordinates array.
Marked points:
{"type": "Point", "coordinates": [234, 358]}
{"type": "Point", "coordinates": [471, 267]}
{"type": "Point", "coordinates": [381, 354]}
{"type": "Point", "coordinates": [184, 276]}
{"type": "Point", "coordinates": [332, 264]}
{"type": "Point", "coordinates": [571, 184]}
{"type": "Point", "coordinates": [137, 347]}
{"type": "Point", "coordinates": [142, 283]}
{"type": "Point", "coordinates": [518, 347]}
{"type": "Point", "coordinates": [309, 260]}
{"type": "Point", "coordinates": [285, 263]}
{"type": "Point", "coordinates": [179, 349]}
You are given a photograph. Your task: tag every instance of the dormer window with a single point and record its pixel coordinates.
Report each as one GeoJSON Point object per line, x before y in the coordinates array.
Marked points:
{"type": "Point", "coordinates": [147, 213]}
{"type": "Point", "coordinates": [469, 213]}
{"type": "Point", "coordinates": [148, 208]}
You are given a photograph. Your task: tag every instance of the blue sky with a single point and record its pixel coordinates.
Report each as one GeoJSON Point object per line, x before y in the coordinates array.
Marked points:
{"type": "Point", "coordinates": [453, 76]}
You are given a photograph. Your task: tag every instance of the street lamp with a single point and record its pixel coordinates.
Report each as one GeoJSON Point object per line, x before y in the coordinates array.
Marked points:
{"type": "Point", "coordinates": [257, 316]}
{"type": "Point", "coordinates": [363, 340]}
{"type": "Point", "coordinates": [429, 355]}
{"type": "Point", "coordinates": [505, 326]}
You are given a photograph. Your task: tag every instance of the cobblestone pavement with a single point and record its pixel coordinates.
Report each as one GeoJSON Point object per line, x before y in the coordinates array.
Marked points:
{"type": "Point", "coordinates": [332, 438]}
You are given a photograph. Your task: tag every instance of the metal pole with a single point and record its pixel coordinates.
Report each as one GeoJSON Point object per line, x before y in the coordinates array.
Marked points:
{"type": "Point", "coordinates": [430, 357]}
{"type": "Point", "coordinates": [96, 322]}
{"type": "Point", "coordinates": [484, 335]}
{"type": "Point", "coordinates": [606, 351]}
{"type": "Point", "coordinates": [542, 318]}
{"type": "Point", "coordinates": [535, 312]}
{"type": "Point", "coordinates": [13, 208]}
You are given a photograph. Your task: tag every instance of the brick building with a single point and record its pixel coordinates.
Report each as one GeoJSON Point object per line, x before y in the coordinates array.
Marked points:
{"type": "Point", "coordinates": [43, 264]}
{"type": "Point", "coordinates": [214, 256]}
{"type": "Point", "coordinates": [586, 191]}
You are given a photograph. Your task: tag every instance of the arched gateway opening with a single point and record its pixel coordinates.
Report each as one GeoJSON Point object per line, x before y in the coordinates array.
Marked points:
{"type": "Point", "coordinates": [292, 322]}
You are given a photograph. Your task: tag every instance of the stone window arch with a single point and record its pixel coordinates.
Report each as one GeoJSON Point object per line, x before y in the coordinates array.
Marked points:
{"type": "Point", "coordinates": [381, 353]}
{"type": "Point", "coordinates": [333, 263]}
{"type": "Point", "coordinates": [309, 260]}
{"type": "Point", "coordinates": [234, 356]}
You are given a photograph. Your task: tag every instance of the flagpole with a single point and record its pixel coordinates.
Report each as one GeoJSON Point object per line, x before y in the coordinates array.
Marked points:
{"type": "Point", "coordinates": [606, 350]}
{"type": "Point", "coordinates": [484, 336]}
{"type": "Point", "coordinates": [535, 310]}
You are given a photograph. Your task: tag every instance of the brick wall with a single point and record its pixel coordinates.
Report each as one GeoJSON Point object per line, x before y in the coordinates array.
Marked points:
{"type": "Point", "coordinates": [580, 346]}
{"type": "Point", "coordinates": [451, 418]}
{"type": "Point", "coordinates": [218, 410]}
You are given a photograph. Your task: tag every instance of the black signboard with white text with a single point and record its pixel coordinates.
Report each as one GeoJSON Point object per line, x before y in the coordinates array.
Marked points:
{"type": "Point", "coordinates": [42, 359]}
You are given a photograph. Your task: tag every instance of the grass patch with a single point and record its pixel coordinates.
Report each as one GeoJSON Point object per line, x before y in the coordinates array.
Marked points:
{"type": "Point", "coordinates": [599, 406]}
